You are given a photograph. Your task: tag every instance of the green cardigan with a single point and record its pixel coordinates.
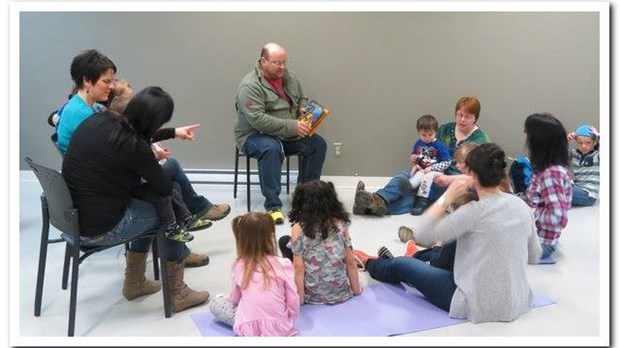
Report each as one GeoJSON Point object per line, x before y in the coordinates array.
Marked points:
{"type": "Point", "coordinates": [261, 110]}
{"type": "Point", "coordinates": [446, 134]}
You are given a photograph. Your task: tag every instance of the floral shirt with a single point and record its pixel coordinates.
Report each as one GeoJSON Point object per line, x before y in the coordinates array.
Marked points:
{"type": "Point", "coordinates": [549, 195]}
{"type": "Point", "coordinates": [325, 278]}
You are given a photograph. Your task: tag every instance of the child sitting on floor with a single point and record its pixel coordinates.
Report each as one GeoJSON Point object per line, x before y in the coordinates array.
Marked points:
{"type": "Point", "coordinates": [429, 158]}
{"type": "Point", "coordinates": [325, 270]}
{"type": "Point", "coordinates": [585, 164]}
{"type": "Point", "coordinates": [264, 299]}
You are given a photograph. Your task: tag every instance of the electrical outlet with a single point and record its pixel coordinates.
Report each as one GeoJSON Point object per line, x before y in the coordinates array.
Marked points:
{"type": "Point", "coordinates": [338, 150]}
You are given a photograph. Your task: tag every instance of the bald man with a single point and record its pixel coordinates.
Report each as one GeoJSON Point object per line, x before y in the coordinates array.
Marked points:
{"type": "Point", "coordinates": [268, 127]}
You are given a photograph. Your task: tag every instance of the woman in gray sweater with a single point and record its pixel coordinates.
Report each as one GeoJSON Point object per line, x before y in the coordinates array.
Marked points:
{"type": "Point", "coordinates": [496, 239]}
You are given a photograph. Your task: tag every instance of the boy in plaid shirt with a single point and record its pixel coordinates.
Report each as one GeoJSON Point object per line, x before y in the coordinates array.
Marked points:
{"type": "Point", "coordinates": [550, 192]}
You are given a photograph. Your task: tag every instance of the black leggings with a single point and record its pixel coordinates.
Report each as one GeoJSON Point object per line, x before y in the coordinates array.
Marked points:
{"type": "Point", "coordinates": [286, 251]}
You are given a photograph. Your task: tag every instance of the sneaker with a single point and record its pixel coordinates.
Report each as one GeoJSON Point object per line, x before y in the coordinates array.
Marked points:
{"type": "Point", "coordinates": [420, 206]}
{"type": "Point", "coordinates": [410, 248]}
{"type": "Point", "coordinates": [361, 259]}
{"type": "Point", "coordinates": [277, 216]}
{"type": "Point", "coordinates": [199, 224]}
{"type": "Point", "coordinates": [217, 212]}
{"type": "Point", "coordinates": [384, 253]}
{"type": "Point", "coordinates": [196, 260]}
{"type": "Point", "coordinates": [181, 236]}
{"type": "Point", "coordinates": [405, 234]}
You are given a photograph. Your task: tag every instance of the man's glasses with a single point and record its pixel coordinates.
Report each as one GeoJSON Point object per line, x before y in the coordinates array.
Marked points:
{"type": "Point", "coordinates": [278, 64]}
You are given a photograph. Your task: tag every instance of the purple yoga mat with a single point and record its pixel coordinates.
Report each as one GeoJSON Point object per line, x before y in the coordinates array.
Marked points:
{"type": "Point", "coordinates": [382, 310]}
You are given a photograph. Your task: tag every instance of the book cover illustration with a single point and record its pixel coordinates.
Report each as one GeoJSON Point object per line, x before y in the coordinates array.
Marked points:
{"type": "Point", "coordinates": [315, 114]}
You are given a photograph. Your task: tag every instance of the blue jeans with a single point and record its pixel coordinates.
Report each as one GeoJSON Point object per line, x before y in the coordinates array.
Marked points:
{"type": "Point", "coordinates": [195, 203]}
{"type": "Point", "coordinates": [140, 217]}
{"type": "Point", "coordinates": [581, 197]}
{"type": "Point", "coordinates": [398, 193]}
{"type": "Point", "coordinates": [436, 284]}
{"type": "Point", "coordinates": [270, 153]}
{"type": "Point", "coordinates": [547, 250]}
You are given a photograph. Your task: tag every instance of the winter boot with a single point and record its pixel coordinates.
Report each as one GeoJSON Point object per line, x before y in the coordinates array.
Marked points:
{"type": "Point", "coordinates": [136, 284]}
{"type": "Point", "coordinates": [181, 295]}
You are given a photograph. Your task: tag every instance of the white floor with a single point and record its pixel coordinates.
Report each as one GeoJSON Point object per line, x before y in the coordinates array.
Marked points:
{"type": "Point", "coordinates": [574, 282]}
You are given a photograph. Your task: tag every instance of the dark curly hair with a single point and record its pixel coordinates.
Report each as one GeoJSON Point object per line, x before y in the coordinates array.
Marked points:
{"type": "Point", "coordinates": [316, 207]}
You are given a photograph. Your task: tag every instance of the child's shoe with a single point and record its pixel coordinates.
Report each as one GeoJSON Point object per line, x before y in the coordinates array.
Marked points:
{"type": "Point", "coordinates": [361, 259]}
{"type": "Point", "coordinates": [410, 248]}
{"type": "Point", "coordinates": [420, 205]}
{"type": "Point", "coordinates": [179, 234]}
{"type": "Point", "coordinates": [193, 223]}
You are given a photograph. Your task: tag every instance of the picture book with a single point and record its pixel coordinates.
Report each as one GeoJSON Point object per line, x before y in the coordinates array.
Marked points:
{"type": "Point", "coordinates": [314, 115]}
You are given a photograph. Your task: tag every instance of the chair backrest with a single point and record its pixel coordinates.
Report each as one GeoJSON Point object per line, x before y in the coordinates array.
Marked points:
{"type": "Point", "coordinates": [62, 214]}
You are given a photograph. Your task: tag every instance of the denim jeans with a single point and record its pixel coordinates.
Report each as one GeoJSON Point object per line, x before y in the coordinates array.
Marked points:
{"type": "Point", "coordinates": [270, 153]}
{"type": "Point", "coordinates": [436, 284]}
{"type": "Point", "coordinates": [547, 250]}
{"type": "Point", "coordinates": [398, 193]}
{"type": "Point", "coordinates": [140, 217]}
{"type": "Point", "coordinates": [194, 202]}
{"type": "Point", "coordinates": [439, 256]}
{"type": "Point", "coordinates": [581, 197]}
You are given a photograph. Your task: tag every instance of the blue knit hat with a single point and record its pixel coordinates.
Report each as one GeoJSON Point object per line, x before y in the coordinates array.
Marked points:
{"type": "Point", "coordinates": [585, 131]}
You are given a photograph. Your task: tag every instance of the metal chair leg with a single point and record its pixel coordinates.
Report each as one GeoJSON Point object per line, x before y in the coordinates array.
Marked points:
{"type": "Point", "coordinates": [65, 268]}
{"type": "Point", "coordinates": [164, 274]}
{"type": "Point", "coordinates": [38, 297]}
{"type": "Point", "coordinates": [155, 252]}
{"type": "Point", "coordinates": [288, 175]}
{"type": "Point", "coordinates": [75, 265]}
{"type": "Point", "coordinates": [236, 173]}
{"type": "Point", "coordinates": [247, 166]}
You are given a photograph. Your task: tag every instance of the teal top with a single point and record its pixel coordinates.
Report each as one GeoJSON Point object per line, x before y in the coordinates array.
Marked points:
{"type": "Point", "coordinates": [71, 116]}
{"type": "Point", "coordinates": [446, 134]}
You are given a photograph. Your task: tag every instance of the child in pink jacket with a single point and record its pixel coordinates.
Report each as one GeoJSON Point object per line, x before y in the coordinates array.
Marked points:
{"type": "Point", "coordinates": [264, 299]}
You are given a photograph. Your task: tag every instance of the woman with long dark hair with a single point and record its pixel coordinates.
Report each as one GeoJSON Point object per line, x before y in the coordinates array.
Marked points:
{"type": "Point", "coordinates": [107, 158]}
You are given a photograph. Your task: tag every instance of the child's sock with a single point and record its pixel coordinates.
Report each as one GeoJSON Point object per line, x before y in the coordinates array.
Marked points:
{"type": "Point", "coordinates": [384, 253]}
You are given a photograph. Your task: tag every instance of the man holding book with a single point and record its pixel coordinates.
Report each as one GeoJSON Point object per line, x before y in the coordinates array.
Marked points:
{"type": "Point", "coordinates": [268, 127]}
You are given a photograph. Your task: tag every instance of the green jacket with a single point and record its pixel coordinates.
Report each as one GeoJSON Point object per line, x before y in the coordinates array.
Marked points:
{"type": "Point", "coordinates": [259, 109]}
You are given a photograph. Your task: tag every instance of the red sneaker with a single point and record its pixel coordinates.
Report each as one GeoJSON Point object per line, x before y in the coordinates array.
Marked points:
{"type": "Point", "coordinates": [410, 248]}
{"type": "Point", "coordinates": [361, 258]}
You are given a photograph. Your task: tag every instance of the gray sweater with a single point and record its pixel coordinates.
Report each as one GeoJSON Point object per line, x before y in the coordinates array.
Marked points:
{"type": "Point", "coordinates": [496, 239]}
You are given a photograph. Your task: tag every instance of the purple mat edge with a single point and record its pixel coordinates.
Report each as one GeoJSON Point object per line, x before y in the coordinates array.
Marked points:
{"type": "Point", "coordinates": [222, 330]}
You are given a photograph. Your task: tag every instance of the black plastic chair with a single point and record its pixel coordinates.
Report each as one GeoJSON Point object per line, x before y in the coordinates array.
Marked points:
{"type": "Point", "coordinates": [247, 171]}
{"type": "Point", "coordinates": [59, 211]}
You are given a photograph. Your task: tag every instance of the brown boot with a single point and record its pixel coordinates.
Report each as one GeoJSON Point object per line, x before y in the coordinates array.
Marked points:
{"type": "Point", "coordinates": [360, 204]}
{"type": "Point", "coordinates": [181, 296]}
{"type": "Point", "coordinates": [217, 212]}
{"type": "Point", "coordinates": [367, 203]}
{"type": "Point", "coordinates": [196, 260]}
{"type": "Point", "coordinates": [136, 284]}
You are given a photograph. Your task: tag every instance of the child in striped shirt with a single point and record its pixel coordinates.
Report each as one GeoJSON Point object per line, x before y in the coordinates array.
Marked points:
{"type": "Point", "coordinates": [585, 164]}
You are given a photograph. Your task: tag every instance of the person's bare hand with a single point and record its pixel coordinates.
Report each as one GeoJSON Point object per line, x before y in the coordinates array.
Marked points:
{"type": "Point", "coordinates": [186, 132]}
{"type": "Point", "coordinates": [303, 129]}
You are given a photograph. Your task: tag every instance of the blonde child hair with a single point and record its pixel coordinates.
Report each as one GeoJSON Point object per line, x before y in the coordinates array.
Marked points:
{"type": "Point", "coordinates": [255, 236]}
